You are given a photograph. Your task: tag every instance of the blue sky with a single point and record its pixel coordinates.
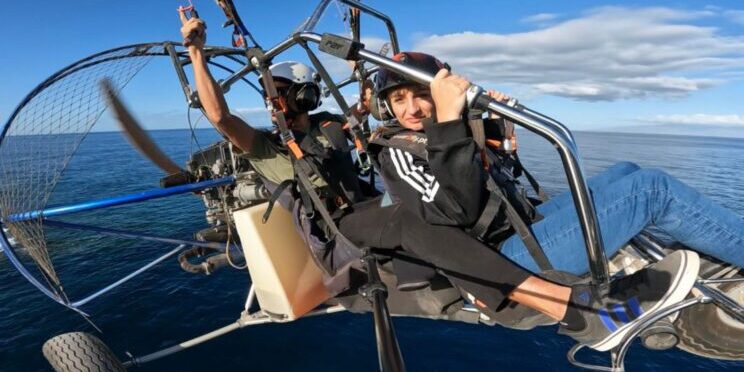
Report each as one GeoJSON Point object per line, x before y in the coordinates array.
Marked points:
{"type": "Point", "coordinates": [594, 65]}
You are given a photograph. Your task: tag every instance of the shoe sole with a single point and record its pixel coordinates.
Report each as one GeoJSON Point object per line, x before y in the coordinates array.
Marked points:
{"type": "Point", "coordinates": [678, 290]}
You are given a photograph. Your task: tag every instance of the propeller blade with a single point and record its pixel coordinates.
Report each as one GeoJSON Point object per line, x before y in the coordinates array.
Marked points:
{"type": "Point", "coordinates": [134, 132]}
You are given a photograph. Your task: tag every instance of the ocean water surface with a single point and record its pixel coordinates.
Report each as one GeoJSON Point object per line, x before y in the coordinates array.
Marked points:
{"type": "Point", "coordinates": [167, 305]}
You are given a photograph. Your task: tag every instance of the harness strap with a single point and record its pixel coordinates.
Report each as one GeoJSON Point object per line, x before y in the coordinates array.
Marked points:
{"type": "Point", "coordinates": [274, 196]}
{"type": "Point", "coordinates": [313, 147]}
{"type": "Point", "coordinates": [306, 187]}
{"type": "Point", "coordinates": [360, 141]}
{"type": "Point", "coordinates": [497, 198]}
{"type": "Point", "coordinates": [521, 228]}
{"type": "Point", "coordinates": [490, 211]}
{"type": "Point", "coordinates": [478, 132]}
{"type": "Point", "coordinates": [519, 168]}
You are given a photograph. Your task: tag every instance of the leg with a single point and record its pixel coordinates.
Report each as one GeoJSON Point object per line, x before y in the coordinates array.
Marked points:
{"type": "Point", "coordinates": [626, 207]}
{"type": "Point", "coordinates": [467, 263]}
{"type": "Point", "coordinates": [598, 182]}
{"type": "Point", "coordinates": [489, 277]}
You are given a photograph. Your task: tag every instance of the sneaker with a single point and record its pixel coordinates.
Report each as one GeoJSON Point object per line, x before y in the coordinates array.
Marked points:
{"type": "Point", "coordinates": [631, 299]}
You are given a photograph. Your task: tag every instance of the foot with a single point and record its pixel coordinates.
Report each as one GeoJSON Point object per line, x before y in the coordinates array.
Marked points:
{"type": "Point", "coordinates": [606, 320]}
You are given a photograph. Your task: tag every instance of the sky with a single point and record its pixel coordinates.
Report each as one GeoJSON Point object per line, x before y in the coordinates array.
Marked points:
{"type": "Point", "coordinates": [659, 66]}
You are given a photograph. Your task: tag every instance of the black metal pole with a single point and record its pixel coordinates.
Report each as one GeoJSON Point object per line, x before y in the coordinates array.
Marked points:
{"type": "Point", "coordinates": [388, 351]}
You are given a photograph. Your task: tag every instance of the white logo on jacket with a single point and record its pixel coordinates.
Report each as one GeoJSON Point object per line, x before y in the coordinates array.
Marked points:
{"type": "Point", "coordinates": [414, 175]}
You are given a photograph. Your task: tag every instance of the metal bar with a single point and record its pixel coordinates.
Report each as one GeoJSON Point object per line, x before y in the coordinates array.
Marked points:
{"type": "Point", "coordinates": [342, 104]}
{"type": "Point", "coordinates": [250, 83]}
{"type": "Point", "coordinates": [656, 252]}
{"type": "Point", "coordinates": [178, 65]}
{"type": "Point", "coordinates": [240, 323]}
{"type": "Point", "coordinates": [136, 361]}
{"type": "Point", "coordinates": [619, 362]}
{"type": "Point", "coordinates": [120, 200]}
{"type": "Point", "coordinates": [544, 117]}
{"type": "Point", "coordinates": [128, 277]}
{"type": "Point", "coordinates": [381, 16]}
{"type": "Point", "coordinates": [312, 21]}
{"type": "Point", "coordinates": [135, 235]}
{"type": "Point", "coordinates": [250, 298]}
{"type": "Point", "coordinates": [388, 352]}
{"type": "Point", "coordinates": [237, 75]}
{"type": "Point", "coordinates": [724, 302]}
{"type": "Point", "coordinates": [10, 253]}
{"type": "Point", "coordinates": [720, 281]}
{"type": "Point", "coordinates": [353, 78]}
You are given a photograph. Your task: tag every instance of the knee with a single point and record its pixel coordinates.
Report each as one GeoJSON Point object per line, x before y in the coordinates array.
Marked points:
{"type": "Point", "coordinates": [626, 167]}
{"type": "Point", "coordinates": [656, 177]}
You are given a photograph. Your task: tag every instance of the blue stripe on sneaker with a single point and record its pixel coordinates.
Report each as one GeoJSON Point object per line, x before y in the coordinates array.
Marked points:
{"type": "Point", "coordinates": [619, 311]}
{"type": "Point", "coordinates": [606, 320]}
{"type": "Point", "coordinates": [635, 307]}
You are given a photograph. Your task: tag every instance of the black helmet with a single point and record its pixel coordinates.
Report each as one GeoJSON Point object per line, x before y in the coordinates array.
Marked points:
{"type": "Point", "coordinates": [385, 80]}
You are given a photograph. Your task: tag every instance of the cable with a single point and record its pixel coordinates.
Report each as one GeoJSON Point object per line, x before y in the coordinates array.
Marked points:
{"type": "Point", "coordinates": [226, 212]}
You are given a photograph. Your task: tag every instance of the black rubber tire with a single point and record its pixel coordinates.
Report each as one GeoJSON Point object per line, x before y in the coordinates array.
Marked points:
{"type": "Point", "coordinates": [702, 333]}
{"type": "Point", "coordinates": [80, 352]}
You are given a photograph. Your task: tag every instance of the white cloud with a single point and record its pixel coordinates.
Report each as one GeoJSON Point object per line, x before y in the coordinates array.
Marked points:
{"type": "Point", "coordinates": [735, 16]}
{"type": "Point", "coordinates": [697, 119]}
{"type": "Point", "coordinates": [540, 18]}
{"type": "Point", "coordinates": [609, 53]}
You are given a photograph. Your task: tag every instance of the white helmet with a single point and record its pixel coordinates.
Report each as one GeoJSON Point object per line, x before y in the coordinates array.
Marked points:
{"type": "Point", "coordinates": [294, 72]}
{"type": "Point", "coordinates": [303, 94]}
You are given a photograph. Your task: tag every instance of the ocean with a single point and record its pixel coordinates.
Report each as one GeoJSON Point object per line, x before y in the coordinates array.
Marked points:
{"type": "Point", "coordinates": [166, 305]}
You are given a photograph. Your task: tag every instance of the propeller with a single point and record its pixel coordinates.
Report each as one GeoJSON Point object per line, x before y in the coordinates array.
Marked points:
{"type": "Point", "coordinates": [134, 132]}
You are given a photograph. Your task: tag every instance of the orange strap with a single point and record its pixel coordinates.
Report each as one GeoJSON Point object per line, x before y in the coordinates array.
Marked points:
{"type": "Point", "coordinates": [498, 144]}
{"type": "Point", "coordinates": [295, 148]}
{"type": "Point", "coordinates": [484, 159]}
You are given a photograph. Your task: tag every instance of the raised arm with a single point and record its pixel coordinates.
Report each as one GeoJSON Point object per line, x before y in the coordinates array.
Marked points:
{"type": "Point", "coordinates": [210, 94]}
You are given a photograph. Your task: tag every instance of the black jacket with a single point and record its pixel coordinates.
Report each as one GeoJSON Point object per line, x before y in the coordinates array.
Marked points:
{"type": "Point", "coordinates": [447, 187]}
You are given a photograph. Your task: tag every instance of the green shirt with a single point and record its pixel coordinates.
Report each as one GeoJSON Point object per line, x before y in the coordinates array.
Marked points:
{"type": "Point", "coordinates": [274, 163]}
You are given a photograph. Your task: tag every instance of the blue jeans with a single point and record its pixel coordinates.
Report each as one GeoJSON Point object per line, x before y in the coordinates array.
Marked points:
{"type": "Point", "coordinates": [627, 199]}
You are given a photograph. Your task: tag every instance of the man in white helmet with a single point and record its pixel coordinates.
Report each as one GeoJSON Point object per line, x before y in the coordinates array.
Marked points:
{"type": "Point", "coordinates": [320, 136]}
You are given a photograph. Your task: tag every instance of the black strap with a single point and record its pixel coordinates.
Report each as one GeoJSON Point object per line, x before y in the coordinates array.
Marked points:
{"type": "Point", "coordinates": [521, 228]}
{"type": "Point", "coordinates": [302, 171]}
{"type": "Point", "coordinates": [477, 131]}
{"type": "Point", "coordinates": [489, 213]}
{"type": "Point", "coordinates": [519, 168]}
{"type": "Point", "coordinates": [354, 125]}
{"type": "Point", "coordinates": [274, 196]}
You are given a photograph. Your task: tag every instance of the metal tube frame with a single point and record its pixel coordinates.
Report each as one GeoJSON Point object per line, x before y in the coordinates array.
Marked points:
{"type": "Point", "coordinates": [244, 321]}
{"type": "Point", "coordinates": [656, 252]}
{"type": "Point", "coordinates": [381, 16]}
{"type": "Point", "coordinates": [619, 353]}
{"type": "Point", "coordinates": [136, 235]}
{"type": "Point", "coordinates": [125, 279]}
{"type": "Point", "coordinates": [119, 200]}
{"type": "Point", "coordinates": [553, 131]}
{"type": "Point", "coordinates": [649, 247]}
{"type": "Point", "coordinates": [142, 49]}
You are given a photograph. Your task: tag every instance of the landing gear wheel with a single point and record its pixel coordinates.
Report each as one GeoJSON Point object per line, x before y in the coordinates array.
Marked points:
{"type": "Point", "coordinates": [78, 352]}
{"type": "Point", "coordinates": [709, 332]}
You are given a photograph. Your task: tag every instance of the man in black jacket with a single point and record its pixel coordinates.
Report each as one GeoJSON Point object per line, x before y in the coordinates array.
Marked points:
{"type": "Point", "coordinates": [433, 168]}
